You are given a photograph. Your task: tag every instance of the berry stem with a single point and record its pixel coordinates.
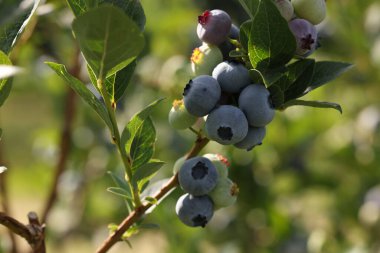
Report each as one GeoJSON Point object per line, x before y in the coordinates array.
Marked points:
{"type": "Point", "coordinates": [115, 136]}
{"type": "Point", "coordinates": [139, 211]}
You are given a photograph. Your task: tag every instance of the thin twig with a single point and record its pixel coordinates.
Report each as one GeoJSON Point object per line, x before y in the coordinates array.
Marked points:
{"type": "Point", "coordinates": [65, 140]}
{"type": "Point", "coordinates": [134, 216]}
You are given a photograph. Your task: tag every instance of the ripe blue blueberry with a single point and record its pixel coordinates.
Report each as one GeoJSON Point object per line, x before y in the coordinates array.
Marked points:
{"type": "Point", "coordinates": [213, 26]}
{"type": "Point", "coordinates": [201, 95]}
{"type": "Point", "coordinates": [231, 76]}
{"type": "Point", "coordinates": [255, 102]}
{"type": "Point", "coordinates": [254, 137]}
{"type": "Point", "coordinates": [305, 34]}
{"type": "Point", "coordinates": [194, 211]}
{"type": "Point", "coordinates": [226, 124]}
{"type": "Point", "coordinates": [197, 176]}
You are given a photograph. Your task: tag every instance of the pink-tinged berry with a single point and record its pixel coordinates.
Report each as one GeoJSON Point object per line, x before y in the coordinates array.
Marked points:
{"type": "Point", "coordinates": [224, 194]}
{"type": "Point", "coordinates": [213, 26]}
{"type": "Point", "coordinates": [305, 34]}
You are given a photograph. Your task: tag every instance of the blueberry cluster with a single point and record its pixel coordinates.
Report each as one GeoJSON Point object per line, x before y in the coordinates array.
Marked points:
{"type": "Point", "coordinates": [237, 110]}
{"type": "Point", "coordinates": [207, 186]}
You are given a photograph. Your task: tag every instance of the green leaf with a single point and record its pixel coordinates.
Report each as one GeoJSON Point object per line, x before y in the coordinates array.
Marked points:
{"type": "Point", "coordinates": [318, 104]}
{"type": "Point", "coordinates": [277, 95]}
{"type": "Point", "coordinates": [109, 83]}
{"type": "Point", "coordinates": [271, 43]}
{"type": "Point", "coordinates": [245, 30]}
{"type": "Point", "coordinates": [299, 75]}
{"type": "Point", "coordinates": [108, 39]}
{"type": "Point", "coordinates": [120, 182]}
{"type": "Point", "coordinates": [132, 8]}
{"type": "Point", "coordinates": [250, 6]}
{"type": "Point", "coordinates": [133, 125]}
{"type": "Point", "coordinates": [147, 171]}
{"type": "Point", "coordinates": [142, 146]}
{"type": "Point", "coordinates": [326, 71]}
{"type": "Point", "coordinates": [151, 200]}
{"type": "Point", "coordinates": [122, 80]}
{"type": "Point", "coordinates": [82, 91]}
{"type": "Point", "coordinates": [5, 83]}
{"type": "Point", "coordinates": [119, 192]}
{"type": "Point", "coordinates": [13, 19]}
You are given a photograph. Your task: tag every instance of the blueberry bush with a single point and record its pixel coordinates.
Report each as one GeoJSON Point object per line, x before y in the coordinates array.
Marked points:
{"type": "Point", "coordinates": [221, 150]}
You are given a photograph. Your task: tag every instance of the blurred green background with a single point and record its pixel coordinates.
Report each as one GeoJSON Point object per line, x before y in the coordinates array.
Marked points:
{"type": "Point", "coordinates": [312, 187]}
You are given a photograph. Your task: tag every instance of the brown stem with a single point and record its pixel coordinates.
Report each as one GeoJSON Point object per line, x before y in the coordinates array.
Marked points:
{"type": "Point", "coordinates": [5, 200]}
{"type": "Point", "coordinates": [33, 233]}
{"type": "Point", "coordinates": [65, 140]}
{"type": "Point", "coordinates": [134, 216]}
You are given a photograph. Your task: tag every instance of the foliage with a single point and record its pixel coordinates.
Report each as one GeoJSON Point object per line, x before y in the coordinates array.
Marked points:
{"type": "Point", "coordinates": [306, 162]}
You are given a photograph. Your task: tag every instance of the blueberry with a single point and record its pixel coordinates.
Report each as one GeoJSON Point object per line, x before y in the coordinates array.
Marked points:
{"type": "Point", "coordinates": [254, 137]}
{"type": "Point", "coordinates": [224, 194]}
{"type": "Point", "coordinates": [221, 164]}
{"type": "Point", "coordinates": [231, 76]}
{"type": "Point", "coordinates": [305, 34]}
{"type": "Point", "coordinates": [285, 8]}
{"type": "Point", "coordinates": [213, 26]}
{"type": "Point", "coordinates": [194, 211]}
{"type": "Point", "coordinates": [254, 101]}
{"type": "Point", "coordinates": [313, 11]}
{"type": "Point", "coordinates": [179, 117]}
{"type": "Point", "coordinates": [197, 176]}
{"type": "Point", "coordinates": [204, 59]}
{"type": "Point", "coordinates": [226, 46]}
{"type": "Point", "coordinates": [226, 124]}
{"type": "Point", "coordinates": [201, 95]}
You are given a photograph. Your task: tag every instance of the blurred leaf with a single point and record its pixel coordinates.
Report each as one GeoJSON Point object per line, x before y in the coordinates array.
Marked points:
{"type": "Point", "coordinates": [5, 84]}
{"type": "Point", "coordinates": [132, 8]}
{"type": "Point", "coordinates": [271, 43]}
{"type": "Point", "coordinates": [82, 91]}
{"type": "Point", "coordinates": [299, 75]}
{"type": "Point", "coordinates": [136, 121]}
{"type": "Point", "coordinates": [14, 17]}
{"type": "Point", "coordinates": [108, 39]}
{"type": "Point", "coordinates": [152, 189]}
{"type": "Point", "coordinates": [326, 71]}
{"type": "Point", "coordinates": [236, 54]}
{"type": "Point", "coordinates": [2, 169]}
{"type": "Point", "coordinates": [250, 6]}
{"type": "Point", "coordinates": [318, 104]}
{"type": "Point", "coordinates": [1, 133]}
{"type": "Point", "coordinates": [112, 227]}
{"type": "Point", "coordinates": [147, 171]}
{"type": "Point", "coordinates": [142, 146]}
{"type": "Point", "coordinates": [120, 192]}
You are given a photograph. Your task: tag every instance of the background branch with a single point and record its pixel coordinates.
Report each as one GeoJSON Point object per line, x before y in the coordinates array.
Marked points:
{"type": "Point", "coordinates": [65, 139]}
{"type": "Point", "coordinates": [33, 233]}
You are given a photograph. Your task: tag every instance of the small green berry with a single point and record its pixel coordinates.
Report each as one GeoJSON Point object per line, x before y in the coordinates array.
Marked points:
{"type": "Point", "coordinates": [224, 194]}
{"type": "Point", "coordinates": [204, 59]}
{"type": "Point", "coordinates": [179, 117]}
{"type": "Point", "coordinates": [220, 162]}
